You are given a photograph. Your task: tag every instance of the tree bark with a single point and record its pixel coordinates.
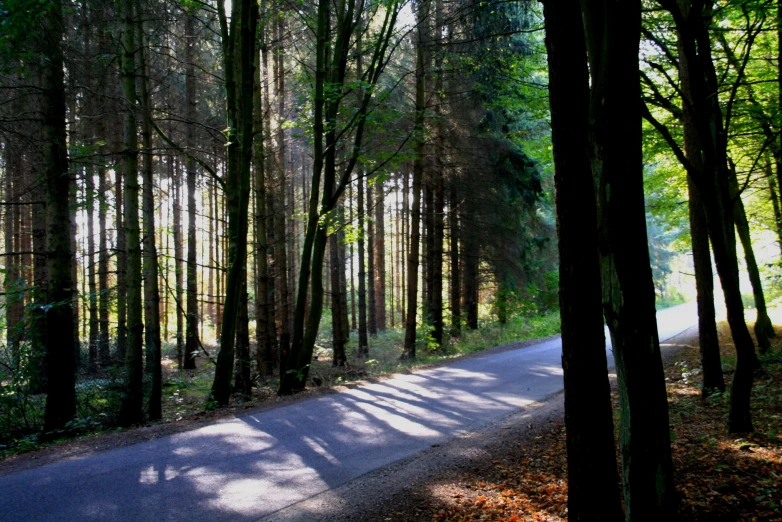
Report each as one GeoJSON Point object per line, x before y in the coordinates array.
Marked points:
{"type": "Point", "coordinates": [264, 327]}
{"type": "Point", "coordinates": [153, 366]}
{"type": "Point", "coordinates": [191, 277]}
{"type": "Point", "coordinates": [593, 483]}
{"type": "Point", "coordinates": [61, 384]}
{"type": "Point", "coordinates": [699, 87]}
{"type": "Point", "coordinates": [178, 268]}
{"type": "Point", "coordinates": [238, 48]}
{"type": "Point", "coordinates": [409, 351]}
{"type": "Point", "coordinates": [612, 33]}
{"type": "Point", "coordinates": [455, 282]}
{"type": "Point", "coordinates": [763, 327]}
{"type": "Point", "coordinates": [704, 285]}
{"type": "Point", "coordinates": [370, 257]}
{"type": "Point", "coordinates": [340, 333]}
{"type": "Point", "coordinates": [379, 249]}
{"type": "Point", "coordinates": [280, 211]}
{"type": "Point", "coordinates": [131, 411]}
{"type": "Point", "coordinates": [363, 341]}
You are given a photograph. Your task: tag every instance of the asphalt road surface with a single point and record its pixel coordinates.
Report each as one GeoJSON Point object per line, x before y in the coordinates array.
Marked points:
{"type": "Point", "coordinates": [253, 466]}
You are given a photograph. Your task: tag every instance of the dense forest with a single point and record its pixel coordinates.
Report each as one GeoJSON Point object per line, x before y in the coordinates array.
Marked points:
{"type": "Point", "coordinates": [240, 190]}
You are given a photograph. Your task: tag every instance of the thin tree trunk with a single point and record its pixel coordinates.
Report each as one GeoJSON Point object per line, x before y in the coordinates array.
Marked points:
{"type": "Point", "coordinates": [178, 265]}
{"type": "Point", "coordinates": [704, 284]}
{"type": "Point", "coordinates": [380, 256]}
{"type": "Point", "coordinates": [104, 298]}
{"type": "Point", "coordinates": [363, 341]}
{"type": "Point", "coordinates": [418, 172]}
{"type": "Point", "coordinates": [455, 283]}
{"type": "Point", "coordinates": [94, 337]}
{"type": "Point", "coordinates": [763, 327]}
{"type": "Point", "coordinates": [340, 334]}
{"type": "Point", "coordinates": [121, 261]}
{"type": "Point", "coordinates": [280, 212]}
{"type": "Point", "coordinates": [191, 277]}
{"type": "Point", "coordinates": [12, 286]}
{"type": "Point", "coordinates": [471, 284]}
{"type": "Point", "coordinates": [372, 275]}
{"type": "Point", "coordinates": [353, 323]}
{"type": "Point", "coordinates": [153, 366]}
{"type": "Point", "coordinates": [264, 334]}
{"type": "Point", "coordinates": [775, 203]}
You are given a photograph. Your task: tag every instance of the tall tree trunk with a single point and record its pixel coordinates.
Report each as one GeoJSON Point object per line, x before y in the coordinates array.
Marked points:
{"type": "Point", "coordinates": [428, 244]}
{"type": "Point", "coordinates": [238, 49]}
{"type": "Point", "coordinates": [191, 311]}
{"type": "Point", "coordinates": [73, 189]}
{"type": "Point", "coordinates": [437, 255]}
{"type": "Point", "coordinates": [61, 384]}
{"type": "Point", "coordinates": [701, 257]}
{"type": "Point", "coordinates": [280, 212]}
{"type": "Point", "coordinates": [613, 38]}
{"type": "Point", "coordinates": [455, 282]}
{"type": "Point", "coordinates": [12, 284]}
{"type": "Point", "coordinates": [593, 483]}
{"type": "Point", "coordinates": [121, 261]}
{"type": "Point", "coordinates": [131, 411]}
{"type": "Point", "coordinates": [418, 174]}
{"type": "Point", "coordinates": [380, 255]}
{"type": "Point", "coordinates": [353, 323]}
{"type": "Point", "coordinates": [438, 185]}
{"type": "Point", "coordinates": [104, 298]}
{"type": "Point", "coordinates": [153, 366]}
{"type": "Point", "coordinates": [178, 267]}
{"type": "Point", "coordinates": [363, 341]}
{"type": "Point", "coordinates": [704, 285]}
{"type": "Point", "coordinates": [94, 337]}
{"type": "Point", "coordinates": [699, 87]}
{"type": "Point", "coordinates": [370, 244]}
{"type": "Point", "coordinates": [264, 320]}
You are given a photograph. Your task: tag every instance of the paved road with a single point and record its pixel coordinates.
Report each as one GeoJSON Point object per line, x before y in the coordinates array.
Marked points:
{"type": "Point", "coordinates": [255, 465]}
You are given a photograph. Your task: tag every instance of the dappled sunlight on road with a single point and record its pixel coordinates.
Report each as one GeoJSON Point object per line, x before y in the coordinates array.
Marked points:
{"type": "Point", "coordinates": [248, 467]}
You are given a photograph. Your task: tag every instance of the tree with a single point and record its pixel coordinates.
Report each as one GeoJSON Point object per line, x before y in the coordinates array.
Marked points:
{"type": "Point", "coordinates": [132, 403]}
{"type": "Point", "coordinates": [61, 384]}
{"type": "Point", "coordinates": [150, 265]}
{"type": "Point", "coordinates": [325, 111]}
{"type": "Point", "coordinates": [699, 91]}
{"type": "Point", "coordinates": [238, 43]}
{"type": "Point", "coordinates": [612, 34]}
{"type": "Point", "coordinates": [593, 483]}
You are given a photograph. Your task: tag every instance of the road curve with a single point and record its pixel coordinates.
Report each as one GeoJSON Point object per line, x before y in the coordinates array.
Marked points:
{"type": "Point", "coordinates": [253, 466]}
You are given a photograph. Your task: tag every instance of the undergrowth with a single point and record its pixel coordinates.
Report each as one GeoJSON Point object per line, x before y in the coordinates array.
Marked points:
{"type": "Point", "coordinates": [185, 392]}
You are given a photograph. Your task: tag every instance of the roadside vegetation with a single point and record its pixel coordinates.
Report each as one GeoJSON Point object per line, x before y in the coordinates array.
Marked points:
{"type": "Point", "coordinates": [184, 390]}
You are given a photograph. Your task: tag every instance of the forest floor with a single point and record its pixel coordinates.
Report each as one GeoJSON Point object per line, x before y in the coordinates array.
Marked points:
{"type": "Point", "coordinates": [517, 472]}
